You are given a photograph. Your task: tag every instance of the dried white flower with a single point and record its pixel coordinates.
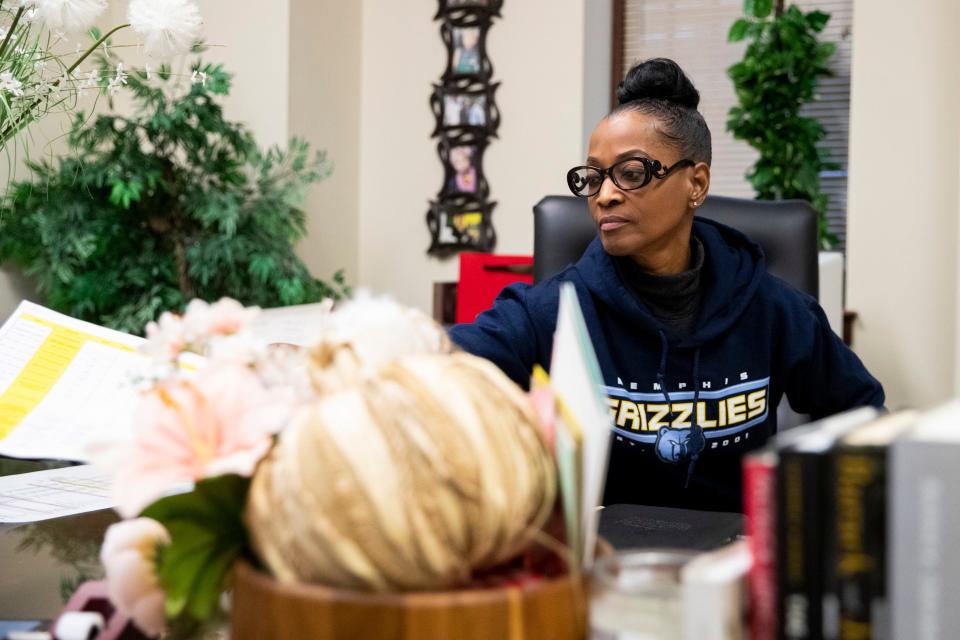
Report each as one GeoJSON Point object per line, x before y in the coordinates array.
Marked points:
{"type": "Point", "coordinates": [117, 81]}
{"type": "Point", "coordinates": [73, 16]}
{"type": "Point", "coordinates": [167, 27]}
{"type": "Point", "coordinates": [10, 84]}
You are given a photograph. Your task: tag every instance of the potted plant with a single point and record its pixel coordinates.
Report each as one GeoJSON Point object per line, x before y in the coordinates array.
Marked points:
{"type": "Point", "coordinates": [147, 211]}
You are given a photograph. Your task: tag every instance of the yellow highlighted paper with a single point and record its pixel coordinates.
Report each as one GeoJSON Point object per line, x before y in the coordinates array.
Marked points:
{"type": "Point", "coordinates": [44, 369]}
{"type": "Point", "coordinates": [64, 383]}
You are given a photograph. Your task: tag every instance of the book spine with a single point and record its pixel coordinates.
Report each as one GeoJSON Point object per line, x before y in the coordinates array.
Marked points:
{"type": "Point", "coordinates": [759, 503]}
{"type": "Point", "coordinates": [925, 525]}
{"type": "Point", "coordinates": [860, 569]}
{"type": "Point", "coordinates": [799, 557]}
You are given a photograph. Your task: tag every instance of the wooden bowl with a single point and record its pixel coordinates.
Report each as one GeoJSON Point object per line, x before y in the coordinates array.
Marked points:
{"type": "Point", "coordinates": [264, 608]}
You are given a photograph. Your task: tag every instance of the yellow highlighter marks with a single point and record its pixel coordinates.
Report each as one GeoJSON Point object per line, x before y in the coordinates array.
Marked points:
{"type": "Point", "coordinates": [43, 370]}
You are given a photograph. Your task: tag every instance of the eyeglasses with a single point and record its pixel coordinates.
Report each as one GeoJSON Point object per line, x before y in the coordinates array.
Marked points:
{"type": "Point", "coordinates": [628, 174]}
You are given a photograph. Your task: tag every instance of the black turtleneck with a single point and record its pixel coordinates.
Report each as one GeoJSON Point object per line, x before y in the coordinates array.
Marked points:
{"type": "Point", "coordinates": [673, 299]}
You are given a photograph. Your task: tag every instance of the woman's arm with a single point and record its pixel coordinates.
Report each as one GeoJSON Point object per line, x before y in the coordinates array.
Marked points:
{"type": "Point", "coordinates": [505, 334]}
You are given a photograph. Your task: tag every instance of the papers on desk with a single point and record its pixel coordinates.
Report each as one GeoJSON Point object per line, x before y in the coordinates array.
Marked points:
{"type": "Point", "coordinates": [66, 383]}
{"type": "Point", "coordinates": [298, 324]}
{"type": "Point", "coordinates": [63, 383]}
{"type": "Point", "coordinates": [42, 495]}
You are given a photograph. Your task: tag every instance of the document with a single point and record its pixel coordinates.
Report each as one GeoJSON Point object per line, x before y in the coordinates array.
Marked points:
{"type": "Point", "coordinates": [42, 495]}
{"type": "Point", "coordinates": [298, 325]}
{"type": "Point", "coordinates": [64, 383]}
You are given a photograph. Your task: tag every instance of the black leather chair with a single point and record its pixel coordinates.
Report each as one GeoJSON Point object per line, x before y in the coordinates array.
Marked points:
{"type": "Point", "coordinates": [785, 229]}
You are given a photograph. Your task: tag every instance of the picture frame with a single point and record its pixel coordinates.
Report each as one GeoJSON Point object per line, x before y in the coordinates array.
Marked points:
{"type": "Point", "coordinates": [460, 225]}
{"type": "Point", "coordinates": [467, 118]}
{"type": "Point", "coordinates": [466, 51]}
{"type": "Point", "coordinates": [464, 11]}
{"type": "Point", "coordinates": [459, 111]}
{"type": "Point", "coordinates": [463, 169]}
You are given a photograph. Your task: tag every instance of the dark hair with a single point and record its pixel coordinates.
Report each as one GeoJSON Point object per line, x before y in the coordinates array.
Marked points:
{"type": "Point", "coordinates": [658, 87]}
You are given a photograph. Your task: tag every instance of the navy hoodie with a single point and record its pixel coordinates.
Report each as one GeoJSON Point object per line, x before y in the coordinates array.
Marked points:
{"type": "Point", "coordinates": [685, 409]}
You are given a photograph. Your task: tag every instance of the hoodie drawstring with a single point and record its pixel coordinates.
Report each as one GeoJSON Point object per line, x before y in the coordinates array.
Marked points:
{"type": "Point", "coordinates": [696, 438]}
{"type": "Point", "coordinates": [696, 431]}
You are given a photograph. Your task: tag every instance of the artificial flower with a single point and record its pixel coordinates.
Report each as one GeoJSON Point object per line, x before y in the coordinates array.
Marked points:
{"type": "Point", "coordinates": [216, 330]}
{"type": "Point", "coordinates": [71, 16]}
{"type": "Point", "coordinates": [10, 84]}
{"type": "Point", "coordinates": [167, 27]}
{"type": "Point", "coordinates": [220, 422]}
{"type": "Point", "coordinates": [129, 557]}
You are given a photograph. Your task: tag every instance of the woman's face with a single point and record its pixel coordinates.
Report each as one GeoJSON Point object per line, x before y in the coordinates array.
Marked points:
{"type": "Point", "coordinates": [650, 224]}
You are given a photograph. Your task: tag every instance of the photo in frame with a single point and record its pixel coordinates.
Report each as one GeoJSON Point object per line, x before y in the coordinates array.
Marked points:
{"type": "Point", "coordinates": [463, 169]}
{"type": "Point", "coordinates": [458, 109]}
{"type": "Point", "coordinates": [460, 226]}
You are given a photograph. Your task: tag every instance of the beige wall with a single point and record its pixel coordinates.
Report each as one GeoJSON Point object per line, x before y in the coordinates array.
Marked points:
{"type": "Point", "coordinates": [537, 52]}
{"type": "Point", "coordinates": [325, 50]}
{"type": "Point", "coordinates": [904, 202]}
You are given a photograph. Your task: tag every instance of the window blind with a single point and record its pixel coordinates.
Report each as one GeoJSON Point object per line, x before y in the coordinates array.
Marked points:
{"type": "Point", "coordinates": [694, 33]}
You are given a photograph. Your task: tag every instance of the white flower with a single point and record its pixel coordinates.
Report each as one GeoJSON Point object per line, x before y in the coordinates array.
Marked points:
{"type": "Point", "coordinates": [89, 81]}
{"type": "Point", "coordinates": [147, 69]}
{"type": "Point", "coordinates": [167, 27]}
{"type": "Point", "coordinates": [129, 557]}
{"type": "Point", "coordinates": [10, 84]}
{"type": "Point", "coordinates": [199, 77]}
{"type": "Point", "coordinates": [117, 81]}
{"type": "Point", "coordinates": [71, 16]}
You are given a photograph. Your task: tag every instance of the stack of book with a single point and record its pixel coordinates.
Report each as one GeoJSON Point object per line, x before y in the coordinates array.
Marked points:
{"type": "Point", "coordinates": [850, 521]}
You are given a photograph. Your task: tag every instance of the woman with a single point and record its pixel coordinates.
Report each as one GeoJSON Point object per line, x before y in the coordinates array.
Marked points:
{"type": "Point", "coordinates": [696, 341]}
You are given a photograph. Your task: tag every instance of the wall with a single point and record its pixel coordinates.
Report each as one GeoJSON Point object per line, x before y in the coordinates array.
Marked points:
{"type": "Point", "coordinates": [325, 50]}
{"type": "Point", "coordinates": [904, 202]}
{"type": "Point", "coordinates": [537, 54]}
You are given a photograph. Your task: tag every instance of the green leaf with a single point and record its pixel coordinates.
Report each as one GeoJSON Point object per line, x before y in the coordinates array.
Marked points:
{"type": "Point", "coordinates": [762, 8]}
{"type": "Point", "coordinates": [738, 30]}
{"type": "Point", "coordinates": [207, 535]}
{"type": "Point", "coordinates": [817, 20]}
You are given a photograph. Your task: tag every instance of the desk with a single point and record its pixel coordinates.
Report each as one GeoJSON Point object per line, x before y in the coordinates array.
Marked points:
{"type": "Point", "coordinates": [42, 563]}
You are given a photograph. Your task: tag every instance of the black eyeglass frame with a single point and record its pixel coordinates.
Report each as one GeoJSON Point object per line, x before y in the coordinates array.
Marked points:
{"type": "Point", "coordinates": [652, 169]}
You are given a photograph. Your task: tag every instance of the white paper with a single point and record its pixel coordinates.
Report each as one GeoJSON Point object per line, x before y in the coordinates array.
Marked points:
{"type": "Point", "coordinates": [64, 383]}
{"type": "Point", "coordinates": [297, 325]}
{"type": "Point", "coordinates": [41, 495]}
{"type": "Point", "coordinates": [576, 379]}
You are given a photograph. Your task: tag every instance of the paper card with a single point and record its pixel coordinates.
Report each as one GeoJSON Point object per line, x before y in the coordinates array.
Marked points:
{"type": "Point", "coordinates": [576, 379]}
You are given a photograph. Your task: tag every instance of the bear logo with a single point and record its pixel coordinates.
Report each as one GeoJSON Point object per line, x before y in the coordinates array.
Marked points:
{"type": "Point", "coordinates": [676, 445]}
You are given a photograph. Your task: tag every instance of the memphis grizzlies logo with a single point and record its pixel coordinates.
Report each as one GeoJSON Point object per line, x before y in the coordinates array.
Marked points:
{"type": "Point", "coordinates": [724, 415]}
{"type": "Point", "coordinates": [675, 445]}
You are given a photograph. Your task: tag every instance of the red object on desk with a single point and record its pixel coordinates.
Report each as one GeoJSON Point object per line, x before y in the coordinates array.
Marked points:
{"type": "Point", "coordinates": [483, 276]}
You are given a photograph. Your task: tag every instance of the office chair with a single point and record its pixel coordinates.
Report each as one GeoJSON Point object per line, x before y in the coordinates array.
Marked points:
{"type": "Point", "coordinates": [786, 230]}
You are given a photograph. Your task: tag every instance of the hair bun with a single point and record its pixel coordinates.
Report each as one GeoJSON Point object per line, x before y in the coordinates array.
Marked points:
{"type": "Point", "coordinates": [658, 79]}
